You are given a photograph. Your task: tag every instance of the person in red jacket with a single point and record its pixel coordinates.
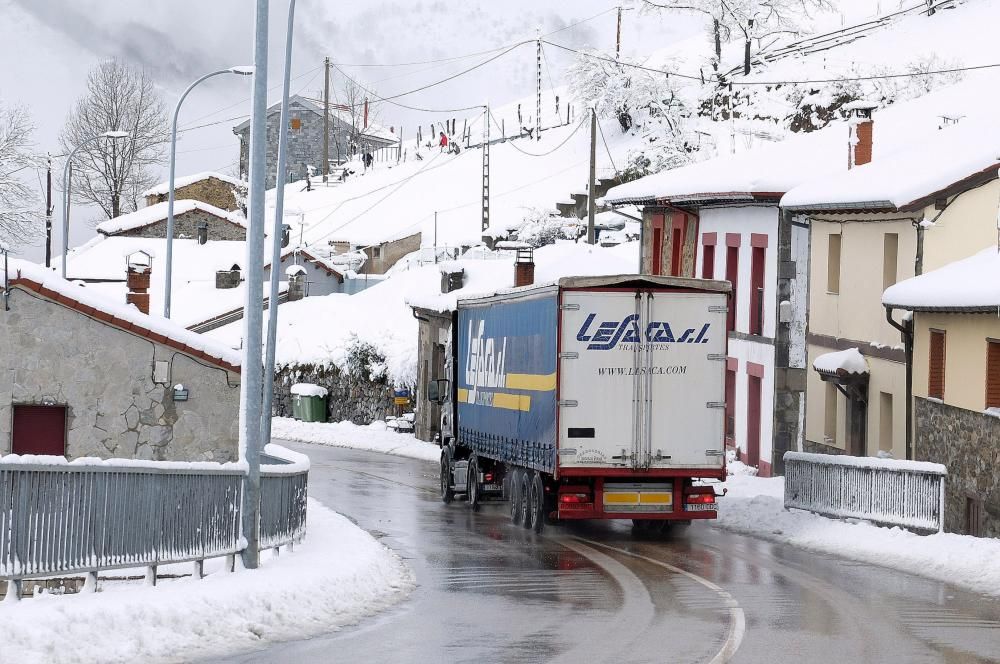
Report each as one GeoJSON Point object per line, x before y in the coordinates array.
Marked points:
{"type": "Point", "coordinates": [443, 142]}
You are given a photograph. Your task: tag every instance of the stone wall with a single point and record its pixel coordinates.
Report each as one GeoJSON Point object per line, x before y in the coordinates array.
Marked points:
{"type": "Point", "coordinates": [390, 252]}
{"type": "Point", "coordinates": [813, 447]}
{"type": "Point", "coordinates": [186, 227]}
{"type": "Point", "coordinates": [54, 355]}
{"type": "Point", "coordinates": [210, 190]}
{"type": "Point", "coordinates": [358, 398]}
{"type": "Point", "coordinates": [968, 444]}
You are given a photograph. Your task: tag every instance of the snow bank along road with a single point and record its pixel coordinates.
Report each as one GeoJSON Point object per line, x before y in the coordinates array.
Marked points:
{"type": "Point", "coordinates": [488, 591]}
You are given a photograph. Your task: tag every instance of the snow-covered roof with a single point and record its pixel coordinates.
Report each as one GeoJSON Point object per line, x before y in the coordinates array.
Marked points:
{"type": "Point", "coordinates": [156, 213]}
{"type": "Point", "coordinates": [89, 302]}
{"type": "Point", "coordinates": [373, 130]}
{"type": "Point", "coordinates": [163, 188]}
{"type": "Point", "coordinates": [194, 298]}
{"type": "Point", "coordinates": [842, 363]}
{"type": "Point", "coordinates": [930, 163]}
{"type": "Point", "coordinates": [968, 285]}
{"type": "Point", "coordinates": [811, 168]}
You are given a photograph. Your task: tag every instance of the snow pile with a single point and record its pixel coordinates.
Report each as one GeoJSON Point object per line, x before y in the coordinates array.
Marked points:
{"type": "Point", "coordinates": [736, 467]}
{"type": "Point", "coordinates": [163, 188]}
{"type": "Point", "coordinates": [375, 437]}
{"type": "Point", "coordinates": [85, 295]}
{"type": "Point", "coordinates": [973, 282]}
{"type": "Point", "coordinates": [155, 213]}
{"type": "Point", "coordinates": [755, 506]}
{"type": "Point", "coordinates": [849, 361]}
{"type": "Point", "coordinates": [308, 390]}
{"type": "Point", "coordinates": [324, 331]}
{"type": "Point", "coordinates": [335, 577]}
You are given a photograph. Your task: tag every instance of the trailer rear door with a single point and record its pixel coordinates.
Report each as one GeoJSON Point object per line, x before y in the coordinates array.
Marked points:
{"type": "Point", "coordinates": [642, 379]}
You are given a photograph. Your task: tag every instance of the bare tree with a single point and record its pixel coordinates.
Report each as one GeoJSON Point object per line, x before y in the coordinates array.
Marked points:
{"type": "Point", "coordinates": [352, 97]}
{"type": "Point", "coordinates": [113, 174]}
{"type": "Point", "coordinates": [18, 214]}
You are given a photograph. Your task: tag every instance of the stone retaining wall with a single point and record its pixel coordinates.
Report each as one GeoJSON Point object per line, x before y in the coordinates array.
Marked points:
{"type": "Point", "coordinates": [360, 399]}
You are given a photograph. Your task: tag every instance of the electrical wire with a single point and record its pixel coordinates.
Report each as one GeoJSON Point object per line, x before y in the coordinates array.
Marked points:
{"type": "Point", "coordinates": [543, 154]}
{"type": "Point", "coordinates": [604, 140]}
{"type": "Point", "coordinates": [402, 105]}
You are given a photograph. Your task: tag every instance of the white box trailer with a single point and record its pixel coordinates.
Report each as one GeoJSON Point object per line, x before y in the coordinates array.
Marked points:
{"type": "Point", "coordinates": [591, 398]}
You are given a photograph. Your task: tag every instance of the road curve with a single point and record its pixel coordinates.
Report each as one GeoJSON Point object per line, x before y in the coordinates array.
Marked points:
{"type": "Point", "coordinates": [592, 592]}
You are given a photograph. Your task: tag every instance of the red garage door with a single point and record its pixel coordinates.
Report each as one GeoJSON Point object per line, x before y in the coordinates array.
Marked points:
{"type": "Point", "coordinates": [39, 430]}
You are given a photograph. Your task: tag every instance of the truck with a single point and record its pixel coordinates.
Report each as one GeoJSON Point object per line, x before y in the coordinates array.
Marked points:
{"type": "Point", "coordinates": [589, 398]}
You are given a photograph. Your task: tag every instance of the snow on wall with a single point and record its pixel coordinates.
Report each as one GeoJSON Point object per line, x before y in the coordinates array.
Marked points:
{"type": "Point", "coordinates": [164, 187]}
{"type": "Point", "coordinates": [158, 212]}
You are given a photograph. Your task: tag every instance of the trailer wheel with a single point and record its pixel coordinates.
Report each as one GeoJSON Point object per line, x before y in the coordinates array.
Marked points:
{"type": "Point", "coordinates": [515, 496]}
{"type": "Point", "coordinates": [447, 494]}
{"type": "Point", "coordinates": [537, 502]}
{"type": "Point", "coordinates": [526, 507]}
{"type": "Point", "coordinates": [473, 484]}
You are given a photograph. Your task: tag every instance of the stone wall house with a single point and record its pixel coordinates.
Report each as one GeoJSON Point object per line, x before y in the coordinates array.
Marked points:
{"type": "Point", "coordinates": [956, 383]}
{"type": "Point", "coordinates": [216, 189]}
{"type": "Point", "coordinates": [85, 376]}
{"type": "Point", "coordinates": [433, 336]}
{"type": "Point", "coordinates": [305, 139]}
{"type": "Point", "coordinates": [383, 255]}
{"type": "Point", "coordinates": [189, 216]}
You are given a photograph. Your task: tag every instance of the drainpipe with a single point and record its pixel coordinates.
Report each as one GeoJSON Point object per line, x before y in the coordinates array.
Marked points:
{"type": "Point", "coordinates": [906, 330]}
{"type": "Point", "coordinates": [918, 261]}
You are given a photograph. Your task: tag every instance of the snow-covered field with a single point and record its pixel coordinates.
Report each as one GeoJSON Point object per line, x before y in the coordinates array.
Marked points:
{"type": "Point", "coordinates": [336, 576]}
{"type": "Point", "coordinates": [755, 506]}
{"type": "Point", "coordinates": [375, 437]}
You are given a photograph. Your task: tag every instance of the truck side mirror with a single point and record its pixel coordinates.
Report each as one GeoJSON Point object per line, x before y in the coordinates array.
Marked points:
{"type": "Point", "coordinates": [438, 391]}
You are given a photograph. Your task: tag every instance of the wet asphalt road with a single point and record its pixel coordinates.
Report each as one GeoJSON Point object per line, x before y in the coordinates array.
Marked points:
{"type": "Point", "coordinates": [491, 592]}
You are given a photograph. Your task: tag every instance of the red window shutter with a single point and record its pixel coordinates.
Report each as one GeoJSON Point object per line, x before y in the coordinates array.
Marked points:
{"type": "Point", "coordinates": [757, 291]}
{"type": "Point", "coordinates": [993, 374]}
{"type": "Point", "coordinates": [935, 374]}
{"type": "Point", "coordinates": [708, 262]}
{"type": "Point", "coordinates": [732, 276]}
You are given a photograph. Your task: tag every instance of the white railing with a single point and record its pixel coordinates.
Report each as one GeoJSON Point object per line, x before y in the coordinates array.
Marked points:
{"type": "Point", "coordinates": [89, 515]}
{"type": "Point", "coordinates": [888, 492]}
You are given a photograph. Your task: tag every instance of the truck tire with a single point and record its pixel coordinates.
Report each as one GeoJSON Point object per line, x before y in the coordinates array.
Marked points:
{"type": "Point", "coordinates": [526, 484]}
{"type": "Point", "coordinates": [447, 494]}
{"type": "Point", "coordinates": [515, 496]}
{"type": "Point", "coordinates": [472, 490]}
{"type": "Point", "coordinates": [537, 502]}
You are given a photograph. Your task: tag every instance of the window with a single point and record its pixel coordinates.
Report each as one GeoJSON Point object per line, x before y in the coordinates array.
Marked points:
{"type": "Point", "coordinates": [676, 251]}
{"type": "Point", "coordinates": [992, 374]}
{"type": "Point", "coordinates": [708, 262]}
{"type": "Point", "coordinates": [830, 419]}
{"type": "Point", "coordinates": [731, 402]}
{"type": "Point", "coordinates": [296, 124]}
{"type": "Point", "coordinates": [757, 291]}
{"type": "Point", "coordinates": [935, 373]}
{"type": "Point", "coordinates": [39, 430]}
{"type": "Point", "coordinates": [890, 253]}
{"type": "Point", "coordinates": [833, 264]}
{"type": "Point", "coordinates": [885, 421]}
{"type": "Point", "coordinates": [732, 276]}
{"type": "Point", "coordinates": [376, 252]}
{"type": "Point", "coordinates": [657, 249]}
{"type": "Point", "coordinates": [973, 516]}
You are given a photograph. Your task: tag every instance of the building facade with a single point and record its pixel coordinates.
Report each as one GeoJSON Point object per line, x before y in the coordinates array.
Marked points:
{"type": "Point", "coordinates": [216, 189]}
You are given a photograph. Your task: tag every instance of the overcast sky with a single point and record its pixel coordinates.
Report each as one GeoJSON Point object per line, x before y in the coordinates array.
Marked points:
{"type": "Point", "coordinates": [48, 46]}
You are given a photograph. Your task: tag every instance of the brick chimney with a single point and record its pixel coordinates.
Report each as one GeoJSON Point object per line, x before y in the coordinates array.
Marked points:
{"type": "Point", "coordinates": [859, 147]}
{"type": "Point", "coordinates": [137, 272]}
{"type": "Point", "coordinates": [524, 267]}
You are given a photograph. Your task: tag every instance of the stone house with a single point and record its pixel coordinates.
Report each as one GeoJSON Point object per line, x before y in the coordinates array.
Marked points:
{"type": "Point", "coordinates": [85, 376]}
{"type": "Point", "coordinates": [956, 383]}
{"type": "Point", "coordinates": [305, 139]}
{"type": "Point", "coordinates": [434, 329]}
{"type": "Point", "coordinates": [216, 189]}
{"type": "Point", "coordinates": [191, 218]}
{"type": "Point", "coordinates": [871, 228]}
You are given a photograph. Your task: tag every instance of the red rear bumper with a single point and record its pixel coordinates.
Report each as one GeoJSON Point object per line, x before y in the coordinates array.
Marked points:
{"type": "Point", "coordinates": [578, 501]}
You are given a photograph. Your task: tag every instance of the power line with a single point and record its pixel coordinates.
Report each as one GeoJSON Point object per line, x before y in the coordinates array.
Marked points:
{"type": "Point", "coordinates": [594, 56]}
{"type": "Point", "coordinates": [604, 140]}
{"type": "Point", "coordinates": [543, 154]}
{"type": "Point", "coordinates": [400, 104]}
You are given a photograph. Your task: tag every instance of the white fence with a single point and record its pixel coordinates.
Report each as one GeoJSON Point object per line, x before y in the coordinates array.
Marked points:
{"type": "Point", "coordinates": [888, 492]}
{"type": "Point", "coordinates": [59, 517]}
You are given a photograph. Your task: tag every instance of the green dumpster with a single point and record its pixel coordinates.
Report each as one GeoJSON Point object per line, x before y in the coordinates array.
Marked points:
{"type": "Point", "coordinates": [309, 402]}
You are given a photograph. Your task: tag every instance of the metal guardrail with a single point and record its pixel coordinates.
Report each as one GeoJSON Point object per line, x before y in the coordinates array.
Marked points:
{"type": "Point", "coordinates": [82, 517]}
{"type": "Point", "coordinates": [888, 492]}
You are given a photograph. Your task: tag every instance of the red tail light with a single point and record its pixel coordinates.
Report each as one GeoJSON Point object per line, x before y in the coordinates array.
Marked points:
{"type": "Point", "coordinates": [699, 498]}
{"type": "Point", "coordinates": [574, 498]}
{"type": "Point", "coordinates": [488, 477]}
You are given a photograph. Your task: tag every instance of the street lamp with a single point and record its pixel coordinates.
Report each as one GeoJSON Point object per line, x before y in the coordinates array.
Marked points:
{"type": "Point", "coordinates": [111, 136]}
{"type": "Point", "coordinates": [246, 70]}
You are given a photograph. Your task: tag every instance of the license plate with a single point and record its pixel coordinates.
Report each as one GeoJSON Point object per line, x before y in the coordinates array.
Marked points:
{"type": "Point", "coordinates": [492, 487]}
{"type": "Point", "coordinates": [701, 507]}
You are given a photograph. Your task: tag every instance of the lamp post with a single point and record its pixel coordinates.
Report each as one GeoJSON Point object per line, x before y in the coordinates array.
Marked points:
{"type": "Point", "coordinates": [279, 213]}
{"type": "Point", "coordinates": [110, 135]}
{"type": "Point", "coordinates": [239, 71]}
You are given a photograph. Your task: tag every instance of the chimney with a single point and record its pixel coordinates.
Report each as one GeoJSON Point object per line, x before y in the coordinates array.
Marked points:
{"type": "Point", "coordinates": [228, 278]}
{"type": "Point", "coordinates": [137, 272]}
{"type": "Point", "coordinates": [452, 278]}
{"type": "Point", "coordinates": [859, 147]}
{"type": "Point", "coordinates": [524, 267]}
{"type": "Point", "coordinates": [296, 282]}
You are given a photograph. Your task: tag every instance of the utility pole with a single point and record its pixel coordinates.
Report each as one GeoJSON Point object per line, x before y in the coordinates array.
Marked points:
{"type": "Point", "coordinates": [435, 237]}
{"type": "Point", "coordinates": [326, 118]}
{"type": "Point", "coordinates": [591, 205]}
{"type": "Point", "coordinates": [48, 213]}
{"type": "Point", "coordinates": [486, 172]}
{"type": "Point", "coordinates": [538, 87]}
{"type": "Point", "coordinates": [618, 35]}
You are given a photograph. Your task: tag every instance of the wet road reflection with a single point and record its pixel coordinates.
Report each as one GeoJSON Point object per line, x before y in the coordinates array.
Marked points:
{"type": "Point", "coordinates": [591, 592]}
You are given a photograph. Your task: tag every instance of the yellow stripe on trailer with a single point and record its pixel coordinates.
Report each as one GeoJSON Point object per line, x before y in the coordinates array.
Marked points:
{"type": "Point", "coordinates": [621, 498]}
{"type": "Point", "coordinates": [656, 498]}
{"type": "Point", "coordinates": [531, 382]}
